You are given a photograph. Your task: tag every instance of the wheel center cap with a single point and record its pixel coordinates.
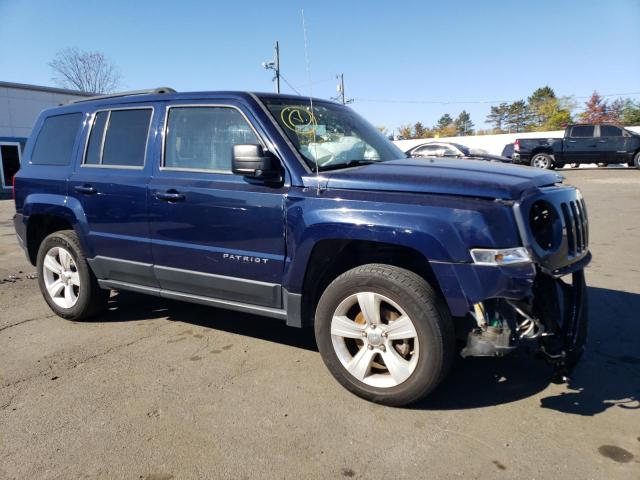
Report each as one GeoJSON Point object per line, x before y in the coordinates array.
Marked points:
{"type": "Point", "coordinates": [374, 338]}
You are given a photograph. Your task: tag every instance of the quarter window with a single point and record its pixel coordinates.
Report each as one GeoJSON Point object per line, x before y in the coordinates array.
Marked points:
{"type": "Point", "coordinates": [581, 131]}
{"type": "Point", "coordinates": [125, 140]}
{"type": "Point", "coordinates": [201, 138]}
{"type": "Point", "coordinates": [610, 131]}
{"type": "Point", "coordinates": [54, 145]}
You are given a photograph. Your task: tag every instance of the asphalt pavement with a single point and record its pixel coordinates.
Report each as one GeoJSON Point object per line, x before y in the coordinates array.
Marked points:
{"type": "Point", "coordinates": [157, 389]}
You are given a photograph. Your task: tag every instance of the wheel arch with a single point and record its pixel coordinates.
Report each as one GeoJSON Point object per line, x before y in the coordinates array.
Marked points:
{"type": "Point", "coordinates": [330, 258]}
{"type": "Point", "coordinates": [45, 214]}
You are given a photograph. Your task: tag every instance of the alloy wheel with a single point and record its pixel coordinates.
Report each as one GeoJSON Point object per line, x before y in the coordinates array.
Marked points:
{"type": "Point", "coordinates": [61, 277]}
{"type": "Point", "coordinates": [374, 339]}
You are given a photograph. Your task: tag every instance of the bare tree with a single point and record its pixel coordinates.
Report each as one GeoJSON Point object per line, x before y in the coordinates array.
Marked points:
{"type": "Point", "coordinates": [85, 71]}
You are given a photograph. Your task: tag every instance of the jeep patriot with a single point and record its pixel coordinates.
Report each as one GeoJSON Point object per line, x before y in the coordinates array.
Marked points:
{"type": "Point", "coordinates": [298, 209]}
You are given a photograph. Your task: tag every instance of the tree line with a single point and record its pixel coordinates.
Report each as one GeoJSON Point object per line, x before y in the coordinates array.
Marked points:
{"type": "Point", "coordinates": [541, 111]}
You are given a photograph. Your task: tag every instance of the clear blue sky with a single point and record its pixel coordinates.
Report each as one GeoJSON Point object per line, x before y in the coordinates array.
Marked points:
{"type": "Point", "coordinates": [455, 51]}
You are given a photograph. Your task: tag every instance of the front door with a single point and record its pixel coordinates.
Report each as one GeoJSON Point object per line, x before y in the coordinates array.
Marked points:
{"type": "Point", "coordinates": [611, 144]}
{"type": "Point", "coordinates": [580, 146]}
{"type": "Point", "coordinates": [111, 184]}
{"type": "Point", "coordinates": [214, 234]}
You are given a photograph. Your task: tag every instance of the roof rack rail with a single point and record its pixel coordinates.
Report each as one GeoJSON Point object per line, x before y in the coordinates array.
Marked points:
{"type": "Point", "coordinates": [158, 90]}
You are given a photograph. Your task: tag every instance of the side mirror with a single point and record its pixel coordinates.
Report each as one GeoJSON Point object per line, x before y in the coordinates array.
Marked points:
{"type": "Point", "coordinates": [252, 161]}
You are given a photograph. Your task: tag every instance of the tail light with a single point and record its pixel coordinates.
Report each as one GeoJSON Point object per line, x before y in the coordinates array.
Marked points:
{"type": "Point", "coordinates": [516, 146]}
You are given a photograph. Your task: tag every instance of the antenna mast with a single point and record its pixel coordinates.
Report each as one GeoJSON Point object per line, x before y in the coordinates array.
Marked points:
{"type": "Point", "coordinates": [313, 127]}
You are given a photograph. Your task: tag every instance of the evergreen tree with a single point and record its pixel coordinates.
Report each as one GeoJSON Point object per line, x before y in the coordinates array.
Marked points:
{"type": "Point", "coordinates": [542, 105]}
{"type": "Point", "coordinates": [517, 116]}
{"type": "Point", "coordinates": [444, 121]}
{"type": "Point", "coordinates": [463, 124]}
{"type": "Point", "coordinates": [419, 131]}
{"type": "Point", "coordinates": [498, 116]}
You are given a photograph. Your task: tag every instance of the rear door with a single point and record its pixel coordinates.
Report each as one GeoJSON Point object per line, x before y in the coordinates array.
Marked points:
{"type": "Point", "coordinates": [215, 234]}
{"type": "Point", "coordinates": [111, 184]}
{"type": "Point", "coordinates": [611, 144]}
{"type": "Point", "coordinates": [580, 145]}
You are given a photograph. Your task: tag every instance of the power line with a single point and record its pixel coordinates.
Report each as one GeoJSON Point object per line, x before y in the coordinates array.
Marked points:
{"type": "Point", "coordinates": [290, 86]}
{"type": "Point", "coordinates": [463, 102]}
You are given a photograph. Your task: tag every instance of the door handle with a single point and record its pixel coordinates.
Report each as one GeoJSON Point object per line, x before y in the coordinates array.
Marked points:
{"type": "Point", "coordinates": [572, 141]}
{"type": "Point", "coordinates": [602, 141]}
{"type": "Point", "coordinates": [85, 189]}
{"type": "Point", "coordinates": [170, 196]}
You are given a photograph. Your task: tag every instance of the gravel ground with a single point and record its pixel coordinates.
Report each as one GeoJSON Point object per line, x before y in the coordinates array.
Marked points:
{"type": "Point", "coordinates": [159, 390]}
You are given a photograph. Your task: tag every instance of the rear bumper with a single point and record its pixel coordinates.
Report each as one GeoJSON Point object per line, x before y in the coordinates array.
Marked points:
{"type": "Point", "coordinates": [21, 231]}
{"type": "Point", "coordinates": [521, 158]}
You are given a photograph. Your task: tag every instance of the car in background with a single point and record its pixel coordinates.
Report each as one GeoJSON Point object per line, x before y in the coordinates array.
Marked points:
{"type": "Point", "coordinates": [582, 143]}
{"type": "Point", "coordinates": [507, 151]}
{"type": "Point", "coordinates": [453, 150]}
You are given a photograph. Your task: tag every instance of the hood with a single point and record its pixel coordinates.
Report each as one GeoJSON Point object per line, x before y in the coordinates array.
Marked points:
{"type": "Point", "coordinates": [473, 178]}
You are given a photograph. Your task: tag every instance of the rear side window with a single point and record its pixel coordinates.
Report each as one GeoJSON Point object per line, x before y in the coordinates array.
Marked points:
{"type": "Point", "coordinates": [610, 131]}
{"type": "Point", "coordinates": [54, 145]}
{"type": "Point", "coordinates": [119, 138]}
{"type": "Point", "coordinates": [581, 131]}
{"type": "Point", "coordinates": [201, 138]}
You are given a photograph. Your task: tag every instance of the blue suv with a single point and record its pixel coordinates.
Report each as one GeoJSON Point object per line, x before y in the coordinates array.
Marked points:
{"type": "Point", "coordinates": [298, 209]}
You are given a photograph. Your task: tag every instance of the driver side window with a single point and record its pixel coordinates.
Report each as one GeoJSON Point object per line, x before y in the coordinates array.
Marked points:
{"type": "Point", "coordinates": [202, 138]}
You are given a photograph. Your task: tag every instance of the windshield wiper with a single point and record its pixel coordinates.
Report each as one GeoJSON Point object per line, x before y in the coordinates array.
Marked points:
{"type": "Point", "coordinates": [350, 163]}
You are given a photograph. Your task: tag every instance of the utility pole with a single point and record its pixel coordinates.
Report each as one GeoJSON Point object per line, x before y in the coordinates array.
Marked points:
{"type": "Point", "coordinates": [340, 88]}
{"type": "Point", "coordinates": [275, 66]}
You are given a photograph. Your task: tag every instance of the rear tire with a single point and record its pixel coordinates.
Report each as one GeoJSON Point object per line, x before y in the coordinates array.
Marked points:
{"type": "Point", "coordinates": [602, 165]}
{"type": "Point", "coordinates": [542, 160]}
{"type": "Point", "coordinates": [575, 165]}
{"type": "Point", "coordinates": [67, 283]}
{"type": "Point", "coordinates": [636, 161]}
{"type": "Point", "coordinates": [404, 350]}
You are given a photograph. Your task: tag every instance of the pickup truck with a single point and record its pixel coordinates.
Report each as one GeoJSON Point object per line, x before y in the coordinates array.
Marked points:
{"type": "Point", "coordinates": [299, 210]}
{"type": "Point", "coordinates": [582, 143]}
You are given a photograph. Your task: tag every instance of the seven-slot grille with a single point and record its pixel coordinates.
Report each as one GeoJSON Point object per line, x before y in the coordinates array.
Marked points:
{"type": "Point", "coordinates": [574, 214]}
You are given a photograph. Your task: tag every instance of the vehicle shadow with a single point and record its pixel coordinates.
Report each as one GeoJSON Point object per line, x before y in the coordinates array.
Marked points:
{"type": "Point", "coordinates": [607, 377]}
{"type": "Point", "coordinates": [128, 306]}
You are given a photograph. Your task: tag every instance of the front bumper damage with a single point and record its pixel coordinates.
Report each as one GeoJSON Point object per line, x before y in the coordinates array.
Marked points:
{"type": "Point", "coordinates": [541, 304]}
{"type": "Point", "coordinates": [553, 320]}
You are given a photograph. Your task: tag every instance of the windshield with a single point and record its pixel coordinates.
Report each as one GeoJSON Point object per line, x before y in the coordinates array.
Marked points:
{"type": "Point", "coordinates": [331, 136]}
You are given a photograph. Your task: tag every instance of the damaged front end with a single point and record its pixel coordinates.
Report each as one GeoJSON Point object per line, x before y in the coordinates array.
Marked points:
{"type": "Point", "coordinates": [551, 314]}
{"type": "Point", "coordinates": [553, 321]}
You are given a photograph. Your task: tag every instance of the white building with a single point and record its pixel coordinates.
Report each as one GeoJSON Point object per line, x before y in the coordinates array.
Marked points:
{"type": "Point", "coordinates": [20, 105]}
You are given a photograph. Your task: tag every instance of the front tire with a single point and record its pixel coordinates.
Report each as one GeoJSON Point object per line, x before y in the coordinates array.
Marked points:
{"type": "Point", "coordinates": [542, 160]}
{"type": "Point", "coordinates": [67, 283]}
{"type": "Point", "coordinates": [602, 165]}
{"type": "Point", "coordinates": [384, 334]}
{"type": "Point", "coordinates": [636, 161]}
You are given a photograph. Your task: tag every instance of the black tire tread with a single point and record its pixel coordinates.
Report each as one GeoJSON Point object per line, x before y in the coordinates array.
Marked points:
{"type": "Point", "coordinates": [431, 302]}
{"type": "Point", "coordinates": [97, 298]}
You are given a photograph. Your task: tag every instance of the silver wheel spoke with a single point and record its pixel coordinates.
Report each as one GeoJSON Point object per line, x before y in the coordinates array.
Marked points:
{"type": "Point", "coordinates": [74, 278]}
{"type": "Point", "coordinates": [51, 264]}
{"type": "Point", "coordinates": [398, 367]}
{"type": "Point", "coordinates": [370, 305]}
{"type": "Point", "coordinates": [65, 258]}
{"type": "Point", "coordinates": [402, 328]}
{"type": "Point", "coordinates": [69, 296]}
{"type": "Point", "coordinates": [344, 327]}
{"type": "Point", "coordinates": [360, 364]}
{"type": "Point", "coordinates": [55, 288]}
